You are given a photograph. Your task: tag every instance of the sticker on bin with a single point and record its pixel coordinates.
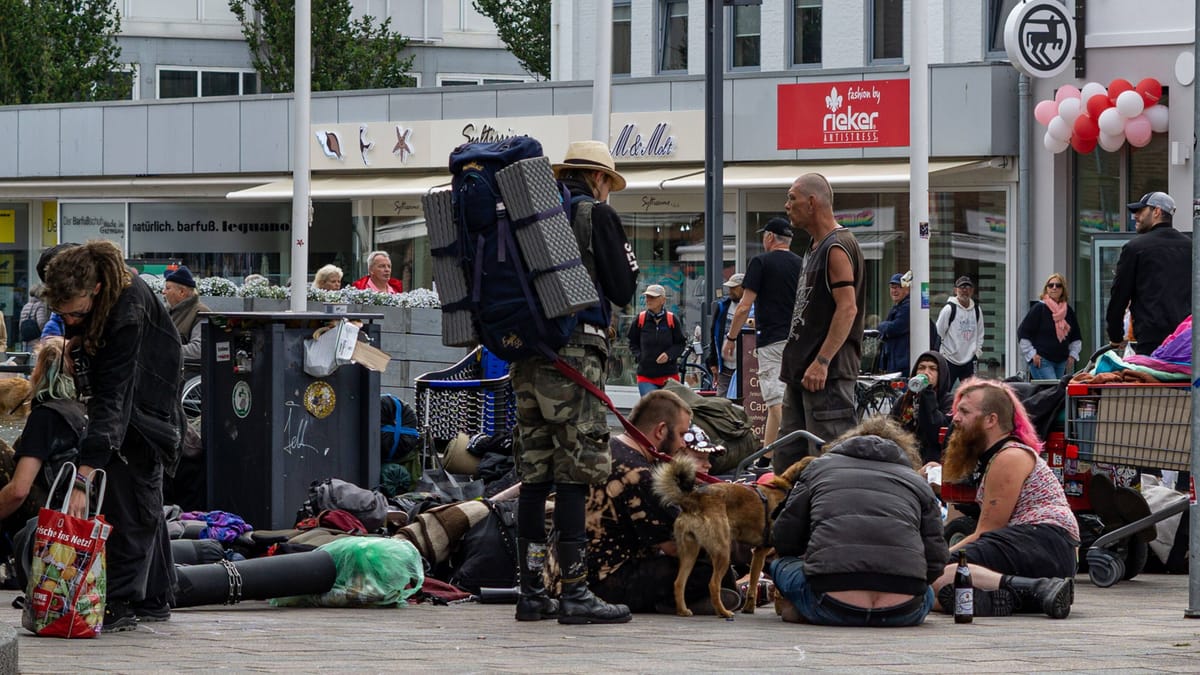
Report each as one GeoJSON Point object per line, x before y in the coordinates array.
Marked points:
{"type": "Point", "coordinates": [241, 399]}
{"type": "Point", "coordinates": [222, 351]}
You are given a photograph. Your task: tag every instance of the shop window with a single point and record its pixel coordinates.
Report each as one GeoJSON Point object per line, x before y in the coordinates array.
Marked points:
{"type": "Point", "coordinates": [622, 38]}
{"type": "Point", "coordinates": [746, 36]}
{"type": "Point", "coordinates": [406, 240]}
{"type": "Point", "coordinates": [181, 82]}
{"type": "Point", "coordinates": [674, 49]}
{"type": "Point", "coordinates": [806, 32]}
{"type": "Point", "coordinates": [15, 246]}
{"type": "Point", "coordinates": [1104, 182]}
{"type": "Point", "coordinates": [998, 11]}
{"type": "Point", "coordinates": [887, 30]}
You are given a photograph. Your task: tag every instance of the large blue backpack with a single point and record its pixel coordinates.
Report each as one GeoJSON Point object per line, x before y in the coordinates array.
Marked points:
{"type": "Point", "coordinates": [508, 316]}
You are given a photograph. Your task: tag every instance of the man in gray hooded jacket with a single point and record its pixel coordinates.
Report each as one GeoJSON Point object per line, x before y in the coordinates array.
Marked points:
{"type": "Point", "coordinates": [860, 536]}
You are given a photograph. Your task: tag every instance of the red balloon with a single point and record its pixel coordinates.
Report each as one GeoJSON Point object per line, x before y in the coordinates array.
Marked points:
{"type": "Point", "coordinates": [1118, 87]}
{"type": "Point", "coordinates": [1150, 90]}
{"type": "Point", "coordinates": [1098, 104]}
{"type": "Point", "coordinates": [1085, 128]}
{"type": "Point", "coordinates": [1083, 146]}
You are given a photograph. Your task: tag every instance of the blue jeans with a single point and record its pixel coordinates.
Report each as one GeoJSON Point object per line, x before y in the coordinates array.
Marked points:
{"type": "Point", "coordinates": [646, 387]}
{"type": "Point", "coordinates": [1049, 370]}
{"type": "Point", "coordinates": [823, 610]}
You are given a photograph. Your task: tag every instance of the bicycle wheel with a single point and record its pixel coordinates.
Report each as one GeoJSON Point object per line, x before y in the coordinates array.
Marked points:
{"type": "Point", "coordinates": [697, 376]}
{"type": "Point", "coordinates": [876, 400]}
{"type": "Point", "coordinates": [191, 397]}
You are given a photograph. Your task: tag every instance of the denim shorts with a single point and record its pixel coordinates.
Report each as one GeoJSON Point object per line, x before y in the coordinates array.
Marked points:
{"type": "Point", "coordinates": [823, 610]}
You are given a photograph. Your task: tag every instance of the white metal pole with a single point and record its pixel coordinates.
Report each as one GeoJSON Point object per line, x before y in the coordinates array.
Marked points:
{"type": "Point", "coordinates": [1193, 606]}
{"type": "Point", "coordinates": [301, 206]}
{"type": "Point", "coordinates": [602, 81]}
{"type": "Point", "coordinates": [918, 163]}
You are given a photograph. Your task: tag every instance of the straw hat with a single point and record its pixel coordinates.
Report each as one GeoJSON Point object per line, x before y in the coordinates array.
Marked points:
{"type": "Point", "coordinates": [591, 156]}
{"type": "Point", "coordinates": [456, 459]}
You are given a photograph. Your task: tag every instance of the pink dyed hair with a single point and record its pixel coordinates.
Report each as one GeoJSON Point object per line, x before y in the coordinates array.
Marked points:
{"type": "Point", "coordinates": [1023, 429]}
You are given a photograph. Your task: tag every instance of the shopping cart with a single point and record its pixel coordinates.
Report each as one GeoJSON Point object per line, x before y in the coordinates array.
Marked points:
{"type": "Point", "coordinates": [1147, 426]}
{"type": "Point", "coordinates": [473, 396]}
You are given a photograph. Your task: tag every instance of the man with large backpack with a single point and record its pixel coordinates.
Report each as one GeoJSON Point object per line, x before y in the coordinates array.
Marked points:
{"type": "Point", "coordinates": [561, 437]}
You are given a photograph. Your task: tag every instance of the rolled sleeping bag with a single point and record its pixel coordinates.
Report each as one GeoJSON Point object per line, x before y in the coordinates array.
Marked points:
{"type": "Point", "coordinates": [196, 551]}
{"type": "Point", "coordinates": [255, 579]}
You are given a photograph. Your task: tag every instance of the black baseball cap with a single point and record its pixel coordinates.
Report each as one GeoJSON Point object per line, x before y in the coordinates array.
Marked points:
{"type": "Point", "coordinates": [777, 225]}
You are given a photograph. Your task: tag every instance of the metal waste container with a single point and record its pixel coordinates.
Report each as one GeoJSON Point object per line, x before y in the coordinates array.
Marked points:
{"type": "Point", "coordinates": [270, 429]}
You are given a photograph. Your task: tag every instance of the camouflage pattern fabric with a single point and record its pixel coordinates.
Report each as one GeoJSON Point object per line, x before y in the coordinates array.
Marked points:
{"type": "Point", "coordinates": [37, 493]}
{"type": "Point", "coordinates": [562, 429]}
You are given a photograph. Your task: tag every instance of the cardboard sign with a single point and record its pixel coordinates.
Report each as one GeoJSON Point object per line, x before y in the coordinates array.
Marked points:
{"type": "Point", "coordinates": [835, 115]}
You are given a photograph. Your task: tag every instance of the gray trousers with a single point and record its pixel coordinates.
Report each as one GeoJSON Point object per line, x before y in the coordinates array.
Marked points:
{"type": "Point", "coordinates": [827, 414]}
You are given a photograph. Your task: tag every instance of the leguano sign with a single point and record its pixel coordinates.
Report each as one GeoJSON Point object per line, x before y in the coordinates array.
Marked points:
{"type": "Point", "coordinates": [834, 115]}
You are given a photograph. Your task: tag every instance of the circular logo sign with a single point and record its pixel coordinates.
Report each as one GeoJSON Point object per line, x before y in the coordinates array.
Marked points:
{"type": "Point", "coordinates": [1040, 38]}
{"type": "Point", "coordinates": [241, 399]}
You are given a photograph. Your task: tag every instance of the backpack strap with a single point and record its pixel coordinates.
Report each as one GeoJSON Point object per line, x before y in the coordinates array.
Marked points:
{"type": "Point", "coordinates": [634, 433]}
{"type": "Point", "coordinates": [670, 320]}
{"type": "Point", "coordinates": [397, 427]}
{"type": "Point", "coordinates": [641, 319]}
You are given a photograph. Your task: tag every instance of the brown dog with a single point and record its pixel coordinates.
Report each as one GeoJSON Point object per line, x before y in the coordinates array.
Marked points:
{"type": "Point", "coordinates": [716, 515]}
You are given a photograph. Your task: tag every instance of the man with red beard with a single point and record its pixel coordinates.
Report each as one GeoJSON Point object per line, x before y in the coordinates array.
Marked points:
{"type": "Point", "coordinates": [1022, 553]}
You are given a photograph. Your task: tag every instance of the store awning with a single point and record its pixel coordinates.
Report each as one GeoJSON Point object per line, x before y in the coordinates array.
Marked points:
{"type": "Point", "coordinates": [855, 174]}
{"type": "Point", "coordinates": [679, 177]}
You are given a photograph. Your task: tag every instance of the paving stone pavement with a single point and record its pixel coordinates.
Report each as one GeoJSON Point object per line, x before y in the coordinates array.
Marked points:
{"type": "Point", "coordinates": [1135, 626]}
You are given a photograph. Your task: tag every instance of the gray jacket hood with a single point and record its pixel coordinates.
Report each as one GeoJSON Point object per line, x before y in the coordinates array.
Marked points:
{"type": "Point", "coordinates": [872, 448]}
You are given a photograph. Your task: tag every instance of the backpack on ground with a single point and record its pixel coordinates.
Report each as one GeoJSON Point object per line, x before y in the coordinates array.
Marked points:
{"type": "Point", "coordinates": [487, 555]}
{"type": "Point", "coordinates": [642, 320]}
{"type": "Point", "coordinates": [506, 259]}
{"type": "Point", "coordinates": [369, 506]}
{"type": "Point", "coordinates": [398, 435]}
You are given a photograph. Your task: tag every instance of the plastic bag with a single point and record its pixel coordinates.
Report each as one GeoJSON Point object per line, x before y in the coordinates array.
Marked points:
{"type": "Point", "coordinates": [67, 580]}
{"type": "Point", "coordinates": [330, 348]}
{"type": "Point", "coordinates": [371, 572]}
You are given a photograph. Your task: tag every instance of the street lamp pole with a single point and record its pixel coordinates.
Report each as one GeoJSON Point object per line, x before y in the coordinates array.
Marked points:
{"type": "Point", "coordinates": [301, 209]}
{"type": "Point", "coordinates": [714, 158]}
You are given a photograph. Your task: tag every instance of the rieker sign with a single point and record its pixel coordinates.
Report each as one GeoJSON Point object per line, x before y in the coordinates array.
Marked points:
{"type": "Point", "coordinates": [855, 114]}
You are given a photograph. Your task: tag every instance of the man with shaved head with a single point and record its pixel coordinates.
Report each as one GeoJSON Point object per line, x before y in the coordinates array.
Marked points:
{"type": "Point", "coordinates": [824, 346]}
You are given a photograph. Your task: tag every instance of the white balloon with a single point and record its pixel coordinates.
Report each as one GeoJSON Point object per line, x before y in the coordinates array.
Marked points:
{"type": "Point", "coordinates": [1091, 89]}
{"type": "Point", "coordinates": [1111, 142]}
{"type": "Point", "coordinates": [1130, 104]}
{"type": "Point", "coordinates": [1053, 144]}
{"type": "Point", "coordinates": [1111, 123]}
{"type": "Point", "coordinates": [1069, 109]}
{"type": "Point", "coordinates": [1060, 130]}
{"type": "Point", "coordinates": [1159, 117]}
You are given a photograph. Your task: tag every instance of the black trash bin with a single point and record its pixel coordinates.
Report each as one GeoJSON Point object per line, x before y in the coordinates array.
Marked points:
{"type": "Point", "coordinates": [269, 428]}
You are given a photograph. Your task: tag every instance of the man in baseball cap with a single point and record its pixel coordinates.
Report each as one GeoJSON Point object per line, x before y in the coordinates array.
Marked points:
{"type": "Point", "coordinates": [721, 368]}
{"type": "Point", "coordinates": [893, 330]}
{"type": "Point", "coordinates": [1153, 278]}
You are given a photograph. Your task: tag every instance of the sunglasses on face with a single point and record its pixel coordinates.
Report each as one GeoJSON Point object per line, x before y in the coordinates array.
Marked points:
{"type": "Point", "coordinates": [1054, 285]}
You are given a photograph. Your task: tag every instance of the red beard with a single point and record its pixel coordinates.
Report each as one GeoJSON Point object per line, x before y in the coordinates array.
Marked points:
{"type": "Point", "coordinates": [963, 451]}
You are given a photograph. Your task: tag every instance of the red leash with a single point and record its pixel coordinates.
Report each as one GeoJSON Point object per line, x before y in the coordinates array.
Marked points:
{"type": "Point", "coordinates": [634, 433]}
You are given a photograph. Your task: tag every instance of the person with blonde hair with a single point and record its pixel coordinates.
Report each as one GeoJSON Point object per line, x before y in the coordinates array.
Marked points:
{"type": "Point", "coordinates": [125, 354]}
{"type": "Point", "coordinates": [328, 278]}
{"type": "Point", "coordinates": [1049, 333]}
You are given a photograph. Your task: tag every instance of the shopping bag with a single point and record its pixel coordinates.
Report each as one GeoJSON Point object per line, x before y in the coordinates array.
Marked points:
{"type": "Point", "coordinates": [330, 348]}
{"type": "Point", "coordinates": [67, 579]}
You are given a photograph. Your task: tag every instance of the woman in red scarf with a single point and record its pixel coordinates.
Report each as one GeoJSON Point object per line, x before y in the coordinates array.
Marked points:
{"type": "Point", "coordinates": [1049, 333]}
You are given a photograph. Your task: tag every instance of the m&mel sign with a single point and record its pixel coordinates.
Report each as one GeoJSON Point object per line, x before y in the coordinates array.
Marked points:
{"type": "Point", "coordinates": [833, 115]}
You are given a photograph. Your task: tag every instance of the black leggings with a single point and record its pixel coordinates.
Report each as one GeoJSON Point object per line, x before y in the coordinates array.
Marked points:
{"type": "Point", "coordinates": [568, 511]}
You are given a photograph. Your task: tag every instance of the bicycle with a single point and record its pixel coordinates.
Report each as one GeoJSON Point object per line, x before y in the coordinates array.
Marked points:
{"type": "Point", "coordinates": [876, 394]}
{"type": "Point", "coordinates": [692, 370]}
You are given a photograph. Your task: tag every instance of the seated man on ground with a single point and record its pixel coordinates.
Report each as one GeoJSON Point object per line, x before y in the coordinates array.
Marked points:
{"type": "Point", "coordinates": [925, 408]}
{"type": "Point", "coordinates": [860, 537]}
{"type": "Point", "coordinates": [631, 557]}
{"type": "Point", "coordinates": [1022, 553]}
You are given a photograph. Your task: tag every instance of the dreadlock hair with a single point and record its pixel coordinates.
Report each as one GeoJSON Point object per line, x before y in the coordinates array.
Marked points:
{"type": "Point", "coordinates": [50, 379]}
{"type": "Point", "coordinates": [585, 176]}
{"type": "Point", "coordinates": [75, 272]}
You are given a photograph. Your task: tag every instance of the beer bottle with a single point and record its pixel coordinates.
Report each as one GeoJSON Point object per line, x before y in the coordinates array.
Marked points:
{"type": "Point", "coordinates": [964, 592]}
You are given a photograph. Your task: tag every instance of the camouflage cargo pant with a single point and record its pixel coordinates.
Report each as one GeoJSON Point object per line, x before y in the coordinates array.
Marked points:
{"type": "Point", "coordinates": [562, 430]}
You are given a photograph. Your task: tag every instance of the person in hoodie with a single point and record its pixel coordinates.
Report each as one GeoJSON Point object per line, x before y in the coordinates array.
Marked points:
{"type": "Point", "coordinates": [860, 537]}
{"type": "Point", "coordinates": [960, 325]}
{"type": "Point", "coordinates": [925, 407]}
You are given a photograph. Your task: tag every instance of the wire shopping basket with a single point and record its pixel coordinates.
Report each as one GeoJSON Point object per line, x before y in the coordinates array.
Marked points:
{"type": "Point", "coordinates": [473, 396]}
{"type": "Point", "coordinates": [1144, 425]}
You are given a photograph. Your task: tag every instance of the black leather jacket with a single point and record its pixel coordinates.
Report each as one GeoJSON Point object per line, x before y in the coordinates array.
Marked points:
{"type": "Point", "coordinates": [134, 405]}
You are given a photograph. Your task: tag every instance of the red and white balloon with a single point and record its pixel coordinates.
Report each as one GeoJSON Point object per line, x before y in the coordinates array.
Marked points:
{"type": "Point", "coordinates": [1102, 116]}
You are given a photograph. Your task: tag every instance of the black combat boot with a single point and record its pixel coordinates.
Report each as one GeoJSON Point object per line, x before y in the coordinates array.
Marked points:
{"type": "Point", "coordinates": [1053, 596]}
{"type": "Point", "coordinates": [985, 603]}
{"type": "Point", "coordinates": [576, 604]}
{"type": "Point", "coordinates": [534, 604]}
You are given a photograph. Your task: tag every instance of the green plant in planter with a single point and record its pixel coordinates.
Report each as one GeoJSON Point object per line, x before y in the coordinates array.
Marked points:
{"type": "Point", "coordinates": [216, 287]}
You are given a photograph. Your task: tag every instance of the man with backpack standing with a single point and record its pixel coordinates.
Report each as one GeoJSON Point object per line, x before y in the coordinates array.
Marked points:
{"type": "Point", "coordinates": [656, 340]}
{"type": "Point", "coordinates": [961, 331]}
{"type": "Point", "coordinates": [561, 438]}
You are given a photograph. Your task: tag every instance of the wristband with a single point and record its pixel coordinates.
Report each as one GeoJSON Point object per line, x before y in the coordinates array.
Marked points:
{"type": "Point", "coordinates": [730, 339]}
{"type": "Point", "coordinates": [822, 360]}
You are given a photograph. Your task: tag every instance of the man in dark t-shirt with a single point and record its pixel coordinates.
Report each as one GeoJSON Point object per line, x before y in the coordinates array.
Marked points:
{"type": "Point", "coordinates": [770, 285]}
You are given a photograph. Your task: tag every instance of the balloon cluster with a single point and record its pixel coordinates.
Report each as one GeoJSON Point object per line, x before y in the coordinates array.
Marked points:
{"type": "Point", "coordinates": [1083, 119]}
